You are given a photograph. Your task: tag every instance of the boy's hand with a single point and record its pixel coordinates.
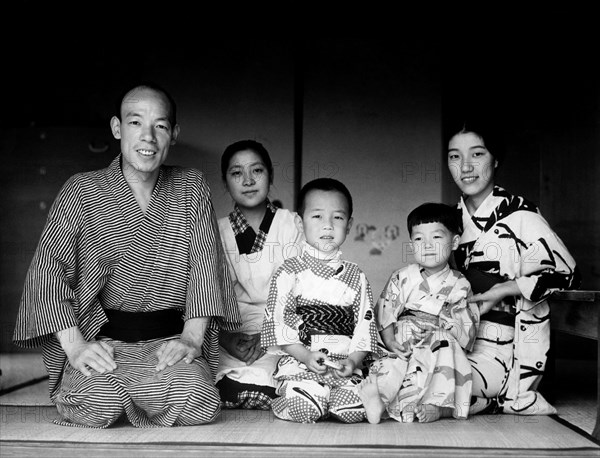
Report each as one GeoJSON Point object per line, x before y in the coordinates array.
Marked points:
{"type": "Point", "coordinates": [314, 362]}
{"type": "Point", "coordinates": [347, 369]}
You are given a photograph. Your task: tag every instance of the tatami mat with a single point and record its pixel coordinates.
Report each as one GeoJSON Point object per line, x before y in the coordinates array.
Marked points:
{"type": "Point", "coordinates": [17, 369]}
{"type": "Point", "coordinates": [261, 428]}
{"type": "Point", "coordinates": [35, 394]}
{"type": "Point", "coordinates": [26, 429]}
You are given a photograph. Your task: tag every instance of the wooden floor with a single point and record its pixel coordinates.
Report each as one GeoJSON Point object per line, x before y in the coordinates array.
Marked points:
{"type": "Point", "coordinates": [26, 429]}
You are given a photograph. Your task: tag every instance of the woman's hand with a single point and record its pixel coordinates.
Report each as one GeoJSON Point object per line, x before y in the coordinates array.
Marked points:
{"type": "Point", "coordinates": [245, 347]}
{"type": "Point", "coordinates": [249, 348]}
{"type": "Point", "coordinates": [486, 301]}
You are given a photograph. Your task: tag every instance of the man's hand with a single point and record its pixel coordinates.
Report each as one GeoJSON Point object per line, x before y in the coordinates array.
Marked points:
{"type": "Point", "coordinates": [173, 351]}
{"type": "Point", "coordinates": [187, 347]}
{"type": "Point", "coordinates": [86, 356]}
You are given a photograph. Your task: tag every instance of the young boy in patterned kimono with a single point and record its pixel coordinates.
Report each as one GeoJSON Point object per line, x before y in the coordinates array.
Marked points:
{"type": "Point", "coordinates": [425, 323]}
{"type": "Point", "coordinates": [320, 315]}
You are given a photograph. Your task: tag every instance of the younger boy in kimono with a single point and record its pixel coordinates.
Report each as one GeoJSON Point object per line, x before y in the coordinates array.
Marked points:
{"type": "Point", "coordinates": [425, 323]}
{"type": "Point", "coordinates": [320, 315]}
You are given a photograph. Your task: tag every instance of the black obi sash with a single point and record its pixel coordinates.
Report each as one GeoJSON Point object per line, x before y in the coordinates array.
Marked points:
{"type": "Point", "coordinates": [325, 319]}
{"type": "Point", "coordinates": [137, 326]}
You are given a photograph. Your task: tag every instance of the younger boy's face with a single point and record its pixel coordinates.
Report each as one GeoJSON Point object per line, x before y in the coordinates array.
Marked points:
{"type": "Point", "coordinates": [432, 245]}
{"type": "Point", "coordinates": [326, 221]}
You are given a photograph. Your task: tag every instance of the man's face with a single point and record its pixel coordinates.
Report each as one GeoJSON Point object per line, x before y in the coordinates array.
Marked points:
{"type": "Point", "coordinates": [145, 131]}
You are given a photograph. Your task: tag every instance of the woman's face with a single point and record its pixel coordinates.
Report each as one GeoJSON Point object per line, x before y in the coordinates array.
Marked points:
{"type": "Point", "coordinates": [247, 179]}
{"type": "Point", "coordinates": [472, 166]}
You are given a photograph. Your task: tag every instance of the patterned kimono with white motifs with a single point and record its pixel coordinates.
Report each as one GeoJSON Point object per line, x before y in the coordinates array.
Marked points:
{"type": "Point", "coordinates": [324, 308]}
{"type": "Point", "coordinates": [433, 322]}
{"type": "Point", "coordinates": [508, 237]}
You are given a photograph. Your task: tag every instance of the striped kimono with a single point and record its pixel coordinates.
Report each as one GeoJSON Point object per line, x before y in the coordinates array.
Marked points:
{"type": "Point", "coordinates": [507, 238]}
{"type": "Point", "coordinates": [326, 308]}
{"type": "Point", "coordinates": [99, 251]}
{"type": "Point", "coordinates": [435, 324]}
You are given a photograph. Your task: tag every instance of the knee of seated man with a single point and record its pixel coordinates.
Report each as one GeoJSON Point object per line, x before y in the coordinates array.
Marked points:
{"type": "Point", "coordinates": [96, 415]}
{"type": "Point", "coordinates": [92, 401]}
{"type": "Point", "coordinates": [203, 405]}
{"type": "Point", "coordinates": [202, 400]}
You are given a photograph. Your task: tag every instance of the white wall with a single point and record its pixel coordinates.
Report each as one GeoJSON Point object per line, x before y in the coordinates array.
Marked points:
{"type": "Point", "coordinates": [372, 120]}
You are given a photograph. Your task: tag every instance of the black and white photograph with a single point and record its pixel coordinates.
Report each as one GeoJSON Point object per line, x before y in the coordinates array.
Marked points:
{"type": "Point", "coordinates": [301, 235]}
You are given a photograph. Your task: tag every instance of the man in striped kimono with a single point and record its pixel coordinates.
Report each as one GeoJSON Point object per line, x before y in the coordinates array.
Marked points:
{"type": "Point", "coordinates": [128, 287]}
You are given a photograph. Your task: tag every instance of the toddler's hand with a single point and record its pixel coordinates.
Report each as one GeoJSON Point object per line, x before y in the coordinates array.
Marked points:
{"type": "Point", "coordinates": [398, 349]}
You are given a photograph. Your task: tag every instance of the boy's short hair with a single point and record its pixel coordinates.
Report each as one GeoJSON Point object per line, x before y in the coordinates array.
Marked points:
{"type": "Point", "coordinates": [324, 184]}
{"type": "Point", "coordinates": [433, 212]}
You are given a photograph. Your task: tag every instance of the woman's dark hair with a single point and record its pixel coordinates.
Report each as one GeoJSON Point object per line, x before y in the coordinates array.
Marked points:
{"type": "Point", "coordinates": [324, 184]}
{"type": "Point", "coordinates": [489, 134]}
{"type": "Point", "coordinates": [433, 212]}
{"type": "Point", "coordinates": [243, 145]}
{"type": "Point", "coordinates": [155, 87]}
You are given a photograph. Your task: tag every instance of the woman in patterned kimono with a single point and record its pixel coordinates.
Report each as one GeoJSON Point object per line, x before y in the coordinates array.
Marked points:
{"type": "Point", "coordinates": [257, 237]}
{"type": "Point", "coordinates": [426, 324]}
{"type": "Point", "coordinates": [128, 286]}
{"type": "Point", "coordinates": [514, 261]}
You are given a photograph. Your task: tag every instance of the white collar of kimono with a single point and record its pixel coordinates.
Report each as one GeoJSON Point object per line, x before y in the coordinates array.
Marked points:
{"type": "Point", "coordinates": [486, 208]}
{"type": "Point", "coordinates": [332, 259]}
{"type": "Point", "coordinates": [437, 277]}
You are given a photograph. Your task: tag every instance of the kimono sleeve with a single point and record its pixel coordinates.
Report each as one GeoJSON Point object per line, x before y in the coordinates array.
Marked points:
{"type": "Point", "coordinates": [365, 330]}
{"type": "Point", "coordinates": [210, 289]}
{"type": "Point", "coordinates": [546, 264]}
{"type": "Point", "coordinates": [281, 324]}
{"type": "Point", "coordinates": [390, 303]}
{"type": "Point", "coordinates": [459, 317]}
{"type": "Point", "coordinates": [49, 302]}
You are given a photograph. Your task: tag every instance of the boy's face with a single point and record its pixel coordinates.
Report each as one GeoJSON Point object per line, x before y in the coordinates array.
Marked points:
{"type": "Point", "coordinates": [326, 221]}
{"type": "Point", "coordinates": [432, 245]}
